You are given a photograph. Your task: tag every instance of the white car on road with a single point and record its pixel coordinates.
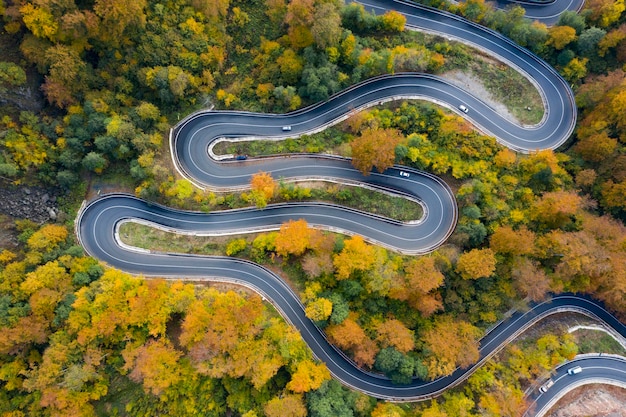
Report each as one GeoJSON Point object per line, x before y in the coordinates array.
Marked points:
{"type": "Point", "coordinates": [546, 386]}
{"type": "Point", "coordinates": [575, 370]}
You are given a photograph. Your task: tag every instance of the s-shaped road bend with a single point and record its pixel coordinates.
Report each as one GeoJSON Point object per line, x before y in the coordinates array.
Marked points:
{"type": "Point", "coordinates": [98, 221]}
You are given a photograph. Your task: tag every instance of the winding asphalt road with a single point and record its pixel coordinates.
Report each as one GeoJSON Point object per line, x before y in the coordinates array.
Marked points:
{"type": "Point", "coordinates": [547, 11]}
{"type": "Point", "coordinates": [596, 369]}
{"type": "Point", "coordinates": [98, 222]}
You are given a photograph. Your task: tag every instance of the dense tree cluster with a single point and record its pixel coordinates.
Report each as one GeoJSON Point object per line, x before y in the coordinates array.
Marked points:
{"type": "Point", "coordinates": [71, 332]}
{"type": "Point", "coordinates": [601, 136]}
{"type": "Point", "coordinates": [78, 340]}
{"type": "Point", "coordinates": [375, 148]}
{"type": "Point", "coordinates": [525, 231]}
{"type": "Point", "coordinates": [591, 41]}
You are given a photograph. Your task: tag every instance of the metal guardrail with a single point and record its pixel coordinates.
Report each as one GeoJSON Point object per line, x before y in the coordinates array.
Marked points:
{"type": "Point", "coordinates": [77, 221]}
{"type": "Point", "coordinates": [527, 323]}
{"type": "Point", "coordinates": [337, 120]}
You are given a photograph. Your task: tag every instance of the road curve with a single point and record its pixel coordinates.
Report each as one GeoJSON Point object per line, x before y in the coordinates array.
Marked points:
{"type": "Point", "coordinates": [191, 138]}
{"type": "Point", "coordinates": [97, 229]}
{"type": "Point", "coordinates": [544, 11]}
{"type": "Point", "coordinates": [97, 223]}
{"type": "Point", "coordinates": [596, 369]}
{"type": "Point", "coordinates": [555, 91]}
{"type": "Point", "coordinates": [547, 11]}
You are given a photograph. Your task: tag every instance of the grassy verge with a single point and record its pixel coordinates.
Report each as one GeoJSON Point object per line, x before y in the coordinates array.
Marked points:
{"type": "Point", "coordinates": [503, 84]}
{"type": "Point", "coordinates": [596, 341]}
{"type": "Point", "coordinates": [588, 341]}
{"type": "Point", "coordinates": [512, 89]}
{"type": "Point", "coordinates": [363, 199]}
{"type": "Point", "coordinates": [326, 141]}
{"type": "Point", "coordinates": [146, 237]}
{"type": "Point", "coordinates": [370, 201]}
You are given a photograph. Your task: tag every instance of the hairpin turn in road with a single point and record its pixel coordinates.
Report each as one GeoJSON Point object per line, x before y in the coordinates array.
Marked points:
{"type": "Point", "coordinates": [98, 221]}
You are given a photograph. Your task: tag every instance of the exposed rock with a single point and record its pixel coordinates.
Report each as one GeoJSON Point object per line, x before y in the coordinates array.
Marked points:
{"type": "Point", "coordinates": [33, 203]}
{"type": "Point", "coordinates": [592, 401]}
{"type": "Point", "coordinates": [24, 98]}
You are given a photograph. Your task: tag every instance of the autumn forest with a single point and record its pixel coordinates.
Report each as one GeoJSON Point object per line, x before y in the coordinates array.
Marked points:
{"type": "Point", "coordinates": [88, 92]}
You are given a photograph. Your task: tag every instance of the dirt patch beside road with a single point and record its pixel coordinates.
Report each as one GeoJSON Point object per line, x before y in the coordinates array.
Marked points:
{"type": "Point", "coordinates": [592, 401]}
{"type": "Point", "coordinates": [476, 87]}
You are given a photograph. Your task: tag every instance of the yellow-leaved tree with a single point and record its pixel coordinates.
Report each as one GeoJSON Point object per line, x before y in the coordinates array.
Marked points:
{"type": "Point", "coordinates": [477, 263]}
{"type": "Point", "coordinates": [47, 238]}
{"type": "Point", "coordinates": [294, 238]}
{"type": "Point", "coordinates": [319, 309]}
{"type": "Point", "coordinates": [418, 284]}
{"type": "Point", "coordinates": [308, 376]}
{"type": "Point", "coordinates": [356, 255]}
{"type": "Point", "coordinates": [286, 405]}
{"type": "Point", "coordinates": [263, 187]}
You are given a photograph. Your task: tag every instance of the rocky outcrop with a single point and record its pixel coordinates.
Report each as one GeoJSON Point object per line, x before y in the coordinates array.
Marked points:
{"type": "Point", "coordinates": [23, 98]}
{"type": "Point", "coordinates": [33, 203]}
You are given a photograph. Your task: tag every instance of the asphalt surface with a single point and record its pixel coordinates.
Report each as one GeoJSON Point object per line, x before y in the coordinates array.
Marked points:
{"type": "Point", "coordinates": [547, 12]}
{"type": "Point", "coordinates": [97, 232]}
{"type": "Point", "coordinates": [544, 11]}
{"type": "Point", "coordinates": [98, 221]}
{"type": "Point", "coordinates": [595, 369]}
{"type": "Point", "coordinates": [560, 117]}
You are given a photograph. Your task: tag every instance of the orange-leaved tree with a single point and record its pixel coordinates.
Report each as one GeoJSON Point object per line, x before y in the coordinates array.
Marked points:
{"type": "Point", "coordinates": [294, 238]}
{"type": "Point", "coordinates": [394, 333]}
{"type": "Point", "coordinates": [555, 209]}
{"type": "Point", "coordinates": [504, 400]}
{"type": "Point", "coordinates": [155, 364]}
{"type": "Point", "coordinates": [529, 279]}
{"type": "Point", "coordinates": [375, 148]}
{"type": "Point", "coordinates": [418, 284]}
{"type": "Point", "coordinates": [450, 344]}
{"type": "Point", "coordinates": [505, 240]}
{"type": "Point", "coordinates": [350, 336]}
